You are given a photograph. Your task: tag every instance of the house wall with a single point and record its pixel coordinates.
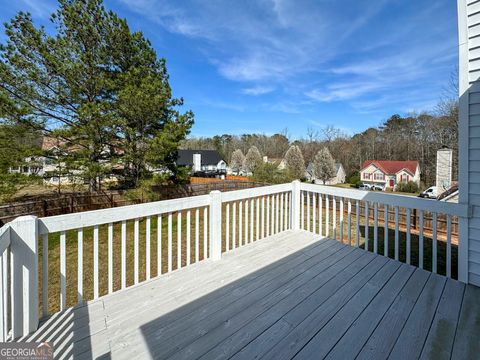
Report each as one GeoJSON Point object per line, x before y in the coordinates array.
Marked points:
{"type": "Point", "coordinates": [469, 138]}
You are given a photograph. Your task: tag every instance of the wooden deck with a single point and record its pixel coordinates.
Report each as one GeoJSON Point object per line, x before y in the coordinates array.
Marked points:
{"type": "Point", "coordinates": [293, 295]}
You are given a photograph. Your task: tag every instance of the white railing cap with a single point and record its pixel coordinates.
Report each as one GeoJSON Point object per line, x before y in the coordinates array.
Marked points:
{"type": "Point", "coordinates": [404, 201]}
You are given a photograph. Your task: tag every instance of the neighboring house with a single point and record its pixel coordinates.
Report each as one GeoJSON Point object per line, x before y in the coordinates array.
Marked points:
{"type": "Point", "coordinates": [51, 171]}
{"type": "Point", "coordinates": [202, 162]}
{"type": "Point", "coordinates": [339, 177]}
{"type": "Point", "coordinates": [390, 173]}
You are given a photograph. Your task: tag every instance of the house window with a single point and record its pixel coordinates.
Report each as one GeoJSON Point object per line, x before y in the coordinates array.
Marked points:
{"type": "Point", "coordinates": [366, 176]}
{"type": "Point", "coordinates": [379, 176]}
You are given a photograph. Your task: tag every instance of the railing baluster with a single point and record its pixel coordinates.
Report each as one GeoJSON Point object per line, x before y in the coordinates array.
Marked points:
{"type": "Point", "coordinates": [188, 252]}
{"type": "Point", "coordinates": [257, 219]}
{"type": "Point", "coordinates": [240, 223]}
{"type": "Point", "coordinates": [341, 219]}
{"type": "Point", "coordinates": [320, 214]}
{"type": "Point", "coordinates": [314, 213]}
{"type": "Point", "coordinates": [420, 240]}
{"type": "Point", "coordinates": [396, 234]}
{"type": "Point", "coordinates": [159, 245]}
{"type": "Point", "coordinates": [3, 299]}
{"type": "Point", "coordinates": [148, 224]}
{"type": "Point", "coordinates": [136, 246]}
{"type": "Point", "coordinates": [170, 243]}
{"type": "Point", "coordinates": [5, 290]}
{"type": "Point", "coordinates": [357, 220]}
{"type": "Point", "coordinates": [308, 210]}
{"type": "Point", "coordinates": [45, 273]}
{"type": "Point", "coordinates": [449, 246]}
{"type": "Point", "coordinates": [327, 216]}
{"type": "Point", "coordinates": [302, 212]}
{"type": "Point", "coordinates": [110, 258]}
{"type": "Point", "coordinates": [349, 221]}
{"type": "Point", "coordinates": [197, 235]}
{"type": "Point", "coordinates": [263, 218]}
{"type": "Point", "coordinates": [179, 240]}
{"type": "Point", "coordinates": [277, 212]}
{"type": "Point", "coordinates": [227, 227]}
{"type": "Point", "coordinates": [366, 225]}
{"type": "Point", "coordinates": [281, 211]}
{"type": "Point", "coordinates": [245, 240]}
{"type": "Point", "coordinates": [375, 228]}
{"type": "Point", "coordinates": [124, 254]}
{"type": "Point", "coordinates": [267, 219]}
{"type": "Point", "coordinates": [434, 243]}
{"type": "Point", "coordinates": [63, 271]}
{"type": "Point", "coordinates": [274, 210]}
{"type": "Point", "coordinates": [385, 230]}
{"type": "Point", "coordinates": [234, 225]}
{"type": "Point", "coordinates": [252, 202]}
{"type": "Point", "coordinates": [205, 233]}
{"type": "Point", "coordinates": [334, 217]}
{"type": "Point", "coordinates": [409, 237]}
{"type": "Point", "coordinates": [95, 262]}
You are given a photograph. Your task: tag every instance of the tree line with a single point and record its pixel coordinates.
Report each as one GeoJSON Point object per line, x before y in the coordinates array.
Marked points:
{"type": "Point", "coordinates": [411, 137]}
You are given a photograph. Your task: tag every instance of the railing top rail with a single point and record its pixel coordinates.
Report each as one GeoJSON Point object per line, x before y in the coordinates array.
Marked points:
{"type": "Point", "coordinates": [460, 210]}
{"type": "Point", "coordinates": [4, 238]}
{"type": "Point", "coordinates": [255, 192]}
{"type": "Point", "coordinates": [104, 216]}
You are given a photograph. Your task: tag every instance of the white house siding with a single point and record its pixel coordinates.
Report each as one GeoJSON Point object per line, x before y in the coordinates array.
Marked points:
{"type": "Point", "coordinates": [469, 133]}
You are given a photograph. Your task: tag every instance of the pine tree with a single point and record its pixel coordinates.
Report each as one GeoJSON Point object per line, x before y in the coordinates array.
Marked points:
{"type": "Point", "coordinates": [324, 165]}
{"type": "Point", "coordinates": [294, 162]}
{"type": "Point", "coordinates": [94, 84]}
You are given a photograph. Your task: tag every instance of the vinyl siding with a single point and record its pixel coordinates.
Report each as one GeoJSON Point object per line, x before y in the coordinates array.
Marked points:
{"type": "Point", "coordinates": [469, 39]}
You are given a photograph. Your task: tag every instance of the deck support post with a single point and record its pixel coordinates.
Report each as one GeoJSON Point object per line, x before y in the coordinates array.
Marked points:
{"type": "Point", "coordinates": [24, 276]}
{"type": "Point", "coordinates": [296, 205]}
{"type": "Point", "coordinates": [215, 225]}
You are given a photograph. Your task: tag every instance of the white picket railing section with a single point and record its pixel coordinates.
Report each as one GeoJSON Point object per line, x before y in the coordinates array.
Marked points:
{"type": "Point", "coordinates": [128, 245]}
{"type": "Point", "coordinates": [364, 218]}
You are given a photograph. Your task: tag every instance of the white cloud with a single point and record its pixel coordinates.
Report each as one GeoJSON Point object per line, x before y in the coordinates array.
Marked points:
{"type": "Point", "coordinates": [258, 90]}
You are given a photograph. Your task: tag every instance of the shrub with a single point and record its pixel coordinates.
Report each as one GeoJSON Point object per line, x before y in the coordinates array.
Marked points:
{"type": "Point", "coordinates": [354, 180]}
{"type": "Point", "coordinates": [409, 187]}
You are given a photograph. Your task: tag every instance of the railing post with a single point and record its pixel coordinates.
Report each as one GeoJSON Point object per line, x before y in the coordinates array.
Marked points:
{"type": "Point", "coordinates": [24, 277]}
{"type": "Point", "coordinates": [296, 205]}
{"type": "Point", "coordinates": [215, 225]}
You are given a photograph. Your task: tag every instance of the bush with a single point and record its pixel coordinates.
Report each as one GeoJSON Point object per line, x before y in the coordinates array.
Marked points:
{"type": "Point", "coordinates": [354, 180]}
{"type": "Point", "coordinates": [409, 187]}
{"type": "Point", "coordinates": [269, 173]}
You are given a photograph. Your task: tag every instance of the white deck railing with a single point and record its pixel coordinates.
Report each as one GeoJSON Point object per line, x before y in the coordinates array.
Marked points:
{"type": "Point", "coordinates": [91, 254]}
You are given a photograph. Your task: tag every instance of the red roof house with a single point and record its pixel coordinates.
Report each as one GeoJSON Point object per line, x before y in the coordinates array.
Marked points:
{"type": "Point", "coordinates": [389, 173]}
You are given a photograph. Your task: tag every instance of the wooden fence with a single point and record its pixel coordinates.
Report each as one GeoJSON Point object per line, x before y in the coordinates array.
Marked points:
{"type": "Point", "coordinates": [76, 202]}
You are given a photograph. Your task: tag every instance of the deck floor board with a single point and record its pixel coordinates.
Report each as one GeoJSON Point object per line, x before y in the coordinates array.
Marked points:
{"type": "Point", "coordinates": [291, 295]}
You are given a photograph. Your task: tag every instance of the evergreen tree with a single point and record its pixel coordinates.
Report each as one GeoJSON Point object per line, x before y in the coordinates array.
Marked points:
{"type": "Point", "coordinates": [95, 85]}
{"type": "Point", "coordinates": [324, 165]}
{"type": "Point", "coordinates": [294, 162]}
{"type": "Point", "coordinates": [252, 159]}
{"type": "Point", "coordinates": [237, 161]}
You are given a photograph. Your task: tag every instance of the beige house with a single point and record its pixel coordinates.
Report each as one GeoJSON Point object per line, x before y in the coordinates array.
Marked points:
{"type": "Point", "coordinates": [390, 173]}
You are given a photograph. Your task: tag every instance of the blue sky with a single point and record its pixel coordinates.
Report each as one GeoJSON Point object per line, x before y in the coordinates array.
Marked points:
{"type": "Point", "coordinates": [268, 65]}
